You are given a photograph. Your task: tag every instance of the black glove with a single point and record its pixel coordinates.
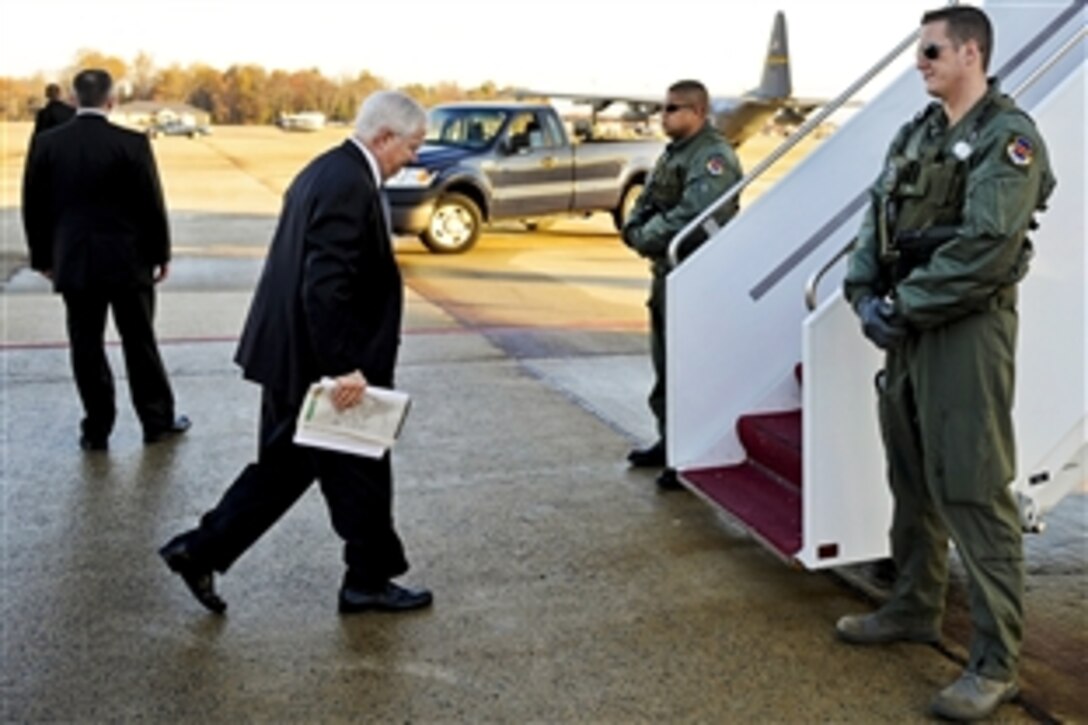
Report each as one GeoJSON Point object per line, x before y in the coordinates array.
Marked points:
{"type": "Point", "coordinates": [878, 322]}
{"type": "Point", "coordinates": [627, 235]}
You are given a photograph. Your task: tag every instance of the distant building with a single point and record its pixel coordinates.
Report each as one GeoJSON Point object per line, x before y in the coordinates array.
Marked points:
{"type": "Point", "coordinates": [142, 115]}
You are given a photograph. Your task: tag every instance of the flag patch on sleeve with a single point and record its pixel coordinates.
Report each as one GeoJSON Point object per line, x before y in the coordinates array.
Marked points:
{"type": "Point", "coordinates": [715, 165]}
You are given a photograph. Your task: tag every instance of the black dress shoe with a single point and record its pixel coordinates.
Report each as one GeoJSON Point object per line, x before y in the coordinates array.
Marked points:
{"type": "Point", "coordinates": [200, 580]}
{"type": "Point", "coordinates": [392, 598]}
{"type": "Point", "coordinates": [179, 426]}
{"type": "Point", "coordinates": [88, 443]}
{"type": "Point", "coordinates": [652, 457]}
{"type": "Point", "coordinates": [668, 480]}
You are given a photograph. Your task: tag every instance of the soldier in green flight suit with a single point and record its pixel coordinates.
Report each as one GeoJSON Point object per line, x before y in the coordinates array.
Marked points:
{"type": "Point", "coordinates": [698, 166]}
{"type": "Point", "coordinates": [933, 278]}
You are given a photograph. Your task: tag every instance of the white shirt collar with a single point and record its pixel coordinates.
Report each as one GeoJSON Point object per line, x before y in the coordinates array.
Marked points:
{"type": "Point", "coordinates": [92, 112]}
{"type": "Point", "coordinates": [374, 168]}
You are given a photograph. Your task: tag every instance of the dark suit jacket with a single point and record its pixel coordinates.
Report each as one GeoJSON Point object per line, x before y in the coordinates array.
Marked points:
{"type": "Point", "coordinates": [53, 113]}
{"type": "Point", "coordinates": [329, 300]}
{"type": "Point", "coordinates": [92, 206]}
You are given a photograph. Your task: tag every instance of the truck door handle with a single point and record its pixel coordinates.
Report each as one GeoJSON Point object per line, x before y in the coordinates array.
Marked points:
{"type": "Point", "coordinates": [548, 162]}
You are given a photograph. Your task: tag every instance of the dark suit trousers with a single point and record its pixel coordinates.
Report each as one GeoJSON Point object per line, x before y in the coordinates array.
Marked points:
{"type": "Point", "coordinates": [357, 490]}
{"type": "Point", "coordinates": [133, 313]}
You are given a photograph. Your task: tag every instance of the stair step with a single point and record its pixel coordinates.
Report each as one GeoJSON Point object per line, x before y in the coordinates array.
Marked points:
{"type": "Point", "coordinates": [769, 509]}
{"type": "Point", "coordinates": [773, 440]}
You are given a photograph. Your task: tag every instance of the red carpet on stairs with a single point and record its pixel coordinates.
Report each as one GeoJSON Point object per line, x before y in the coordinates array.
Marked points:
{"type": "Point", "coordinates": [773, 440]}
{"type": "Point", "coordinates": [764, 492]}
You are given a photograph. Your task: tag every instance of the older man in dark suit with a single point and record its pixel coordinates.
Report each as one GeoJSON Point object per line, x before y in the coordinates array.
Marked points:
{"type": "Point", "coordinates": [96, 226]}
{"type": "Point", "coordinates": [328, 304]}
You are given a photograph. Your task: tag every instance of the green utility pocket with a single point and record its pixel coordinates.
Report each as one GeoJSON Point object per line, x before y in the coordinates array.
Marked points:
{"type": "Point", "coordinates": [942, 183]}
{"type": "Point", "coordinates": [668, 187]}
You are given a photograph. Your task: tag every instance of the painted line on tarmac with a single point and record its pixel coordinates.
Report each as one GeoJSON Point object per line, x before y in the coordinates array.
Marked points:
{"type": "Point", "coordinates": [586, 325]}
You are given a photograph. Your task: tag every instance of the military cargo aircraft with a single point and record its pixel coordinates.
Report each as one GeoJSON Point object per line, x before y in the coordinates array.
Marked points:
{"type": "Point", "coordinates": [739, 117]}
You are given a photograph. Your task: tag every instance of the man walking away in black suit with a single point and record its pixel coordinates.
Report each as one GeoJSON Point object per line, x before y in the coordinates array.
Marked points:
{"type": "Point", "coordinates": [328, 304]}
{"type": "Point", "coordinates": [96, 226]}
{"type": "Point", "coordinates": [54, 112]}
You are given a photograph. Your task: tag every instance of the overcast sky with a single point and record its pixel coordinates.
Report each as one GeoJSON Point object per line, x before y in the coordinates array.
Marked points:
{"type": "Point", "coordinates": [633, 46]}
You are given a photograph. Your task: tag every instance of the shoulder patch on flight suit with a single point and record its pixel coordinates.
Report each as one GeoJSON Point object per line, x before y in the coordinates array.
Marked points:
{"type": "Point", "coordinates": [715, 165]}
{"type": "Point", "coordinates": [1020, 151]}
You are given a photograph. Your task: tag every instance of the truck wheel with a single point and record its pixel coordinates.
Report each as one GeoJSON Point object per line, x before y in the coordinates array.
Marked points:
{"type": "Point", "coordinates": [627, 203]}
{"type": "Point", "coordinates": [454, 226]}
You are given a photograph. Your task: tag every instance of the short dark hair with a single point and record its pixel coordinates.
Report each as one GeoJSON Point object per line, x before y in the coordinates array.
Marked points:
{"type": "Point", "coordinates": [694, 90]}
{"type": "Point", "coordinates": [52, 91]}
{"type": "Point", "coordinates": [966, 23]}
{"type": "Point", "coordinates": [92, 87]}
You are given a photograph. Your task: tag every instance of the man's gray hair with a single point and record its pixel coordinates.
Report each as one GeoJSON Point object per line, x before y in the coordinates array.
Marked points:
{"type": "Point", "coordinates": [389, 111]}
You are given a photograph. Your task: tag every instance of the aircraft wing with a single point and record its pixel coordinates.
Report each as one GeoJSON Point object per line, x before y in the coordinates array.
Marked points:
{"type": "Point", "coordinates": [804, 105]}
{"type": "Point", "coordinates": [808, 105]}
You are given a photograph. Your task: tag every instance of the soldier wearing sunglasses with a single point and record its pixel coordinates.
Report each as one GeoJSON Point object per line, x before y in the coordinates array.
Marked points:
{"type": "Point", "coordinates": [696, 168]}
{"type": "Point", "coordinates": [933, 277]}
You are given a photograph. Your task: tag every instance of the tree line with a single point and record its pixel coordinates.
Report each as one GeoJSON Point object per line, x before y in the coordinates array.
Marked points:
{"type": "Point", "coordinates": [241, 94]}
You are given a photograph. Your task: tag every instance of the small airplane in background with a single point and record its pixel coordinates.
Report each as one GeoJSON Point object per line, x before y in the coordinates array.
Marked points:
{"type": "Point", "coordinates": [739, 117]}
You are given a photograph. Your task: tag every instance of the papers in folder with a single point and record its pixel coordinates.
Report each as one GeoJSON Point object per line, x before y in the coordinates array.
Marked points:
{"type": "Point", "coordinates": [367, 429]}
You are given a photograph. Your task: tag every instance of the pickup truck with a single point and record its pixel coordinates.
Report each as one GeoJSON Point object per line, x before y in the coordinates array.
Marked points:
{"type": "Point", "coordinates": [486, 161]}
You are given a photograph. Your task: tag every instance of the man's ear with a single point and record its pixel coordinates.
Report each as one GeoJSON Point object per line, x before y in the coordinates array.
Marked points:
{"type": "Point", "coordinates": [383, 137]}
{"type": "Point", "coordinates": [972, 52]}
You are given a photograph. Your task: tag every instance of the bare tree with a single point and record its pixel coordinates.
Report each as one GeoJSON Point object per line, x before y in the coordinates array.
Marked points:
{"type": "Point", "coordinates": [242, 94]}
{"type": "Point", "coordinates": [142, 76]}
{"type": "Point", "coordinates": [244, 97]}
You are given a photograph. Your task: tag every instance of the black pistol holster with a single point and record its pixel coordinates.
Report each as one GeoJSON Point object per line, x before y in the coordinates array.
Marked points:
{"type": "Point", "coordinates": [916, 247]}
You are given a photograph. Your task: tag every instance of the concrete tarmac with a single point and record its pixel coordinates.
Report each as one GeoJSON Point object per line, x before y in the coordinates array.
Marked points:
{"type": "Point", "coordinates": [566, 587]}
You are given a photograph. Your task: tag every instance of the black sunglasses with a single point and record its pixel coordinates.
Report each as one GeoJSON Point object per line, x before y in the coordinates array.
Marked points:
{"type": "Point", "coordinates": [932, 51]}
{"type": "Point", "coordinates": [674, 107]}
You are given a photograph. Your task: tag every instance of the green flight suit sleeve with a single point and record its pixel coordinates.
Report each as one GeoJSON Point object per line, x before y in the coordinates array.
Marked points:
{"type": "Point", "coordinates": [712, 172]}
{"type": "Point", "coordinates": [640, 212]}
{"type": "Point", "coordinates": [1002, 192]}
{"type": "Point", "coordinates": [863, 272]}
{"type": "Point", "coordinates": [863, 265]}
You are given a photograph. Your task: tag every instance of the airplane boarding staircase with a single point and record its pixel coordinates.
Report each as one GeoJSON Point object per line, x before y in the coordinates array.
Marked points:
{"type": "Point", "coordinates": [812, 486]}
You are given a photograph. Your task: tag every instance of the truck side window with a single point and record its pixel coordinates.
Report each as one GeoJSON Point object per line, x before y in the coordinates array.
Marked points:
{"type": "Point", "coordinates": [536, 135]}
{"type": "Point", "coordinates": [553, 130]}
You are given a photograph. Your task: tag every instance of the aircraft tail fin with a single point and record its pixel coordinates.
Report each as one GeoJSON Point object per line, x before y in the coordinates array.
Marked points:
{"type": "Point", "coordinates": [776, 69]}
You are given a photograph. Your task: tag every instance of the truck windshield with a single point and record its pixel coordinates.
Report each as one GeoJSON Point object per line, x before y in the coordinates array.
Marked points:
{"type": "Point", "coordinates": [466, 127]}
